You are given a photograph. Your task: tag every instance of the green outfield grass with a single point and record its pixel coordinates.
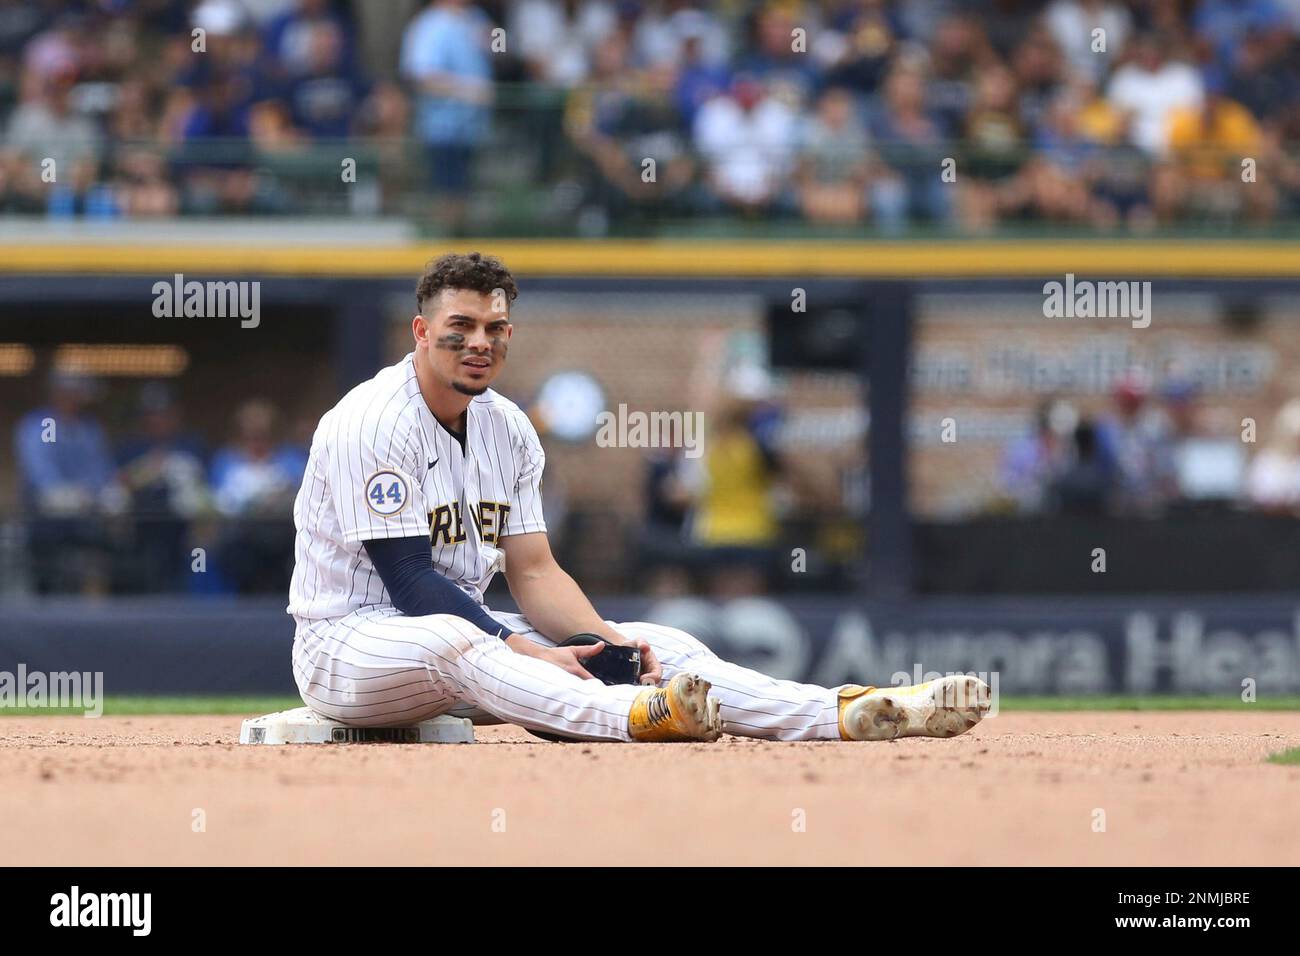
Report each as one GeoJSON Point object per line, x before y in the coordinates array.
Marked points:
{"type": "Point", "coordinates": [1289, 758]}
{"type": "Point", "coordinates": [147, 706]}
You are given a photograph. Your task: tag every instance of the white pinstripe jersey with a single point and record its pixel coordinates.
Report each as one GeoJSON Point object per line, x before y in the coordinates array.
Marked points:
{"type": "Point", "coordinates": [381, 466]}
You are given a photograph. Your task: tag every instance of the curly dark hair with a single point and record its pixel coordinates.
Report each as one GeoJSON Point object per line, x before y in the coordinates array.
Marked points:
{"type": "Point", "coordinates": [471, 270]}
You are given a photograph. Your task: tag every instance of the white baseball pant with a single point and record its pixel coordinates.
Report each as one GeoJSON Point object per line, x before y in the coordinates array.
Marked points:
{"type": "Point", "coordinates": [379, 667]}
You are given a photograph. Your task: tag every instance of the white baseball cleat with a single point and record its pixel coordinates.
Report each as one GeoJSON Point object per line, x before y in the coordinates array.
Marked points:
{"type": "Point", "coordinates": [939, 708]}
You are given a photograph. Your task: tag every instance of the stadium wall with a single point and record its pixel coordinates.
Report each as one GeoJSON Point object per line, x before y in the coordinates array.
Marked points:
{"type": "Point", "coordinates": [1195, 645]}
{"type": "Point", "coordinates": [638, 258]}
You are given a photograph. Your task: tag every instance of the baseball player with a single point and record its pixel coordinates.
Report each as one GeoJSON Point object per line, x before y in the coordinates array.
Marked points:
{"type": "Point", "coordinates": [423, 483]}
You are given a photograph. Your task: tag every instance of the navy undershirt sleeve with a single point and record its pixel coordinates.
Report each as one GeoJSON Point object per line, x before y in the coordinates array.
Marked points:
{"type": "Point", "coordinates": [405, 565]}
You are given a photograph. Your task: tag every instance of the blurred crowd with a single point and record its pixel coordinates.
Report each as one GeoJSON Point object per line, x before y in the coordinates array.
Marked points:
{"type": "Point", "coordinates": [158, 510]}
{"type": "Point", "coordinates": [772, 502]}
{"type": "Point", "coordinates": [1152, 453]}
{"type": "Point", "coordinates": [893, 114]}
{"type": "Point", "coordinates": [148, 108]}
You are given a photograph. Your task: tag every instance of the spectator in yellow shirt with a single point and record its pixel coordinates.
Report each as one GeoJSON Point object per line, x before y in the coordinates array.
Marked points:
{"type": "Point", "coordinates": [735, 523]}
{"type": "Point", "coordinates": [1211, 165]}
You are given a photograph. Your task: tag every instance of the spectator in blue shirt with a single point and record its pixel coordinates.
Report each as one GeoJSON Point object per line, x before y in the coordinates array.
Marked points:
{"type": "Point", "coordinates": [163, 478]}
{"type": "Point", "coordinates": [289, 37]}
{"type": "Point", "coordinates": [64, 467]}
{"type": "Point", "coordinates": [255, 475]}
{"type": "Point", "coordinates": [445, 58]}
{"type": "Point", "coordinates": [62, 454]}
{"type": "Point", "coordinates": [254, 481]}
{"type": "Point", "coordinates": [1225, 25]}
{"type": "Point", "coordinates": [209, 114]}
{"type": "Point", "coordinates": [324, 99]}
{"type": "Point", "coordinates": [698, 80]}
{"type": "Point", "coordinates": [1032, 462]}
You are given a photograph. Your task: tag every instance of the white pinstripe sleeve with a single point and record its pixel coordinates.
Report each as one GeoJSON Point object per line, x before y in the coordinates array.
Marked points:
{"type": "Point", "coordinates": [526, 515]}
{"type": "Point", "coordinates": [372, 479]}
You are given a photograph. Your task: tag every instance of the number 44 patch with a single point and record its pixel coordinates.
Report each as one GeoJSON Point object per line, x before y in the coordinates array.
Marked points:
{"type": "Point", "coordinates": [386, 493]}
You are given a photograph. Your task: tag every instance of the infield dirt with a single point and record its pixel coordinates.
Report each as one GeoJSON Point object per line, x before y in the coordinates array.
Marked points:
{"type": "Point", "coordinates": [1033, 788]}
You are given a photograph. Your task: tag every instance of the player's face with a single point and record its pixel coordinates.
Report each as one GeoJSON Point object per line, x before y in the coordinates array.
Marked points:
{"type": "Point", "coordinates": [465, 339]}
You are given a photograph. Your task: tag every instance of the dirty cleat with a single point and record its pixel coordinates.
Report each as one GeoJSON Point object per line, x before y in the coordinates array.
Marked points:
{"type": "Point", "coordinates": [939, 708]}
{"type": "Point", "coordinates": [681, 711]}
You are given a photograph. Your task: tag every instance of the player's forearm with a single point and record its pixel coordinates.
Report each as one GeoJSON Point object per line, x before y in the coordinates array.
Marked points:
{"type": "Point", "coordinates": [405, 565]}
{"type": "Point", "coordinates": [556, 606]}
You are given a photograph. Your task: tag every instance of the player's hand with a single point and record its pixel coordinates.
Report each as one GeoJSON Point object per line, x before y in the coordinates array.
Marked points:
{"type": "Point", "coordinates": [651, 670]}
{"type": "Point", "coordinates": [571, 658]}
{"type": "Point", "coordinates": [565, 658]}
